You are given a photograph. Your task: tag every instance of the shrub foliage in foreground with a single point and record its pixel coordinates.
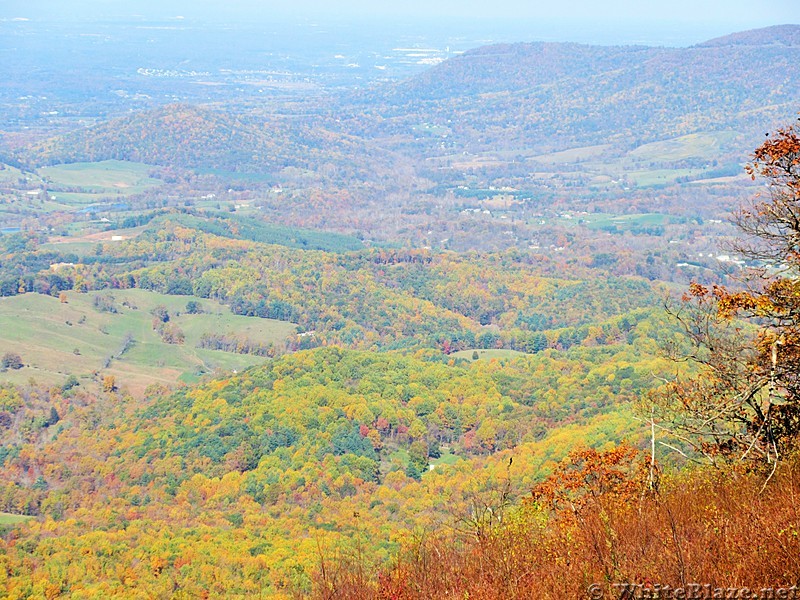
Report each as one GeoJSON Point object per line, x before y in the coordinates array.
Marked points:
{"type": "Point", "coordinates": [597, 521]}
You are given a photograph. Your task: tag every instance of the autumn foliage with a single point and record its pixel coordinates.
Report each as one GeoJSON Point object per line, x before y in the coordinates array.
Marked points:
{"type": "Point", "coordinates": [703, 526]}
{"type": "Point", "coordinates": [338, 471]}
{"type": "Point", "coordinates": [605, 518]}
{"type": "Point", "coordinates": [744, 403]}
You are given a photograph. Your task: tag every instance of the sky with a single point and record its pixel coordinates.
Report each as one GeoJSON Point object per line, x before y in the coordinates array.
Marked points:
{"type": "Point", "coordinates": [664, 22]}
{"type": "Point", "coordinates": [766, 11]}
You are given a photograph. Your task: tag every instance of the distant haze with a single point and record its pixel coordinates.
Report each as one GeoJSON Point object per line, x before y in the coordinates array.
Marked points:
{"type": "Point", "coordinates": [719, 11]}
{"type": "Point", "coordinates": [686, 10]}
{"type": "Point", "coordinates": [673, 22]}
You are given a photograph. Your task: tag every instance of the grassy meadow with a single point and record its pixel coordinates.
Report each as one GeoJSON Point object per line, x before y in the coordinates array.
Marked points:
{"type": "Point", "coordinates": [70, 188]}
{"type": "Point", "coordinates": [487, 354]}
{"type": "Point", "coordinates": [57, 339]}
{"type": "Point", "coordinates": [8, 520]}
{"type": "Point", "coordinates": [109, 177]}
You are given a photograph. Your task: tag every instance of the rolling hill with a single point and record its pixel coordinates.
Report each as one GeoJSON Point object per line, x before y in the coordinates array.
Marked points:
{"type": "Point", "coordinates": [237, 485]}
{"type": "Point", "coordinates": [220, 140]}
{"type": "Point", "coordinates": [113, 332]}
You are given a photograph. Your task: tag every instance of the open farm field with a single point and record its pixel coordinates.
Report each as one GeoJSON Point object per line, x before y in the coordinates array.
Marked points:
{"type": "Point", "coordinates": [108, 176]}
{"type": "Point", "coordinates": [696, 145]}
{"type": "Point", "coordinates": [76, 188]}
{"type": "Point", "coordinates": [487, 354]}
{"type": "Point", "coordinates": [57, 339]}
{"type": "Point", "coordinates": [10, 519]}
{"type": "Point", "coordinates": [573, 155]}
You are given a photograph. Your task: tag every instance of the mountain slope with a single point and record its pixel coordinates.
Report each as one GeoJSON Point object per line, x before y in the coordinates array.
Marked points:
{"type": "Point", "coordinates": [554, 94]}
{"type": "Point", "coordinates": [782, 35]}
{"type": "Point", "coordinates": [516, 67]}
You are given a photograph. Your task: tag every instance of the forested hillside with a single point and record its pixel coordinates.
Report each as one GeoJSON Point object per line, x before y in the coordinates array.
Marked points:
{"type": "Point", "coordinates": [209, 139]}
{"type": "Point", "coordinates": [423, 373]}
{"type": "Point", "coordinates": [233, 485]}
{"type": "Point", "coordinates": [578, 95]}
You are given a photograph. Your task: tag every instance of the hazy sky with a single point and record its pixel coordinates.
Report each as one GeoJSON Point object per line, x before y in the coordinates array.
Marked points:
{"type": "Point", "coordinates": [732, 11]}
{"type": "Point", "coordinates": [649, 22]}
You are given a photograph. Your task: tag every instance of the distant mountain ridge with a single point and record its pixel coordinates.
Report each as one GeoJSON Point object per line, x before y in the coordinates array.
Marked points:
{"type": "Point", "coordinates": [514, 67]}
{"type": "Point", "coordinates": [540, 95]}
{"type": "Point", "coordinates": [530, 94]}
{"type": "Point", "coordinates": [510, 67]}
{"type": "Point", "coordinates": [784, 35]}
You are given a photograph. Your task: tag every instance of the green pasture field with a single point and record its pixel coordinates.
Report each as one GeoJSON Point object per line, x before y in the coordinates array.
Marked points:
{"type": "Point", "coordinates": [601, 220]}
{"type": "Point", "coordinates": [655, 177]}
{"type": "Point", "coordinates": [572, 155]}
{"type": "Point", "coordinates": [108, 176]}
{"type": "Point", "coordinates": [9, 174]}
{"type": "Point", "coordinates": [75, 186]}
{"type": "Point", "coordinates": [57, 339]}
{"type": "Point", "coordinates": [636, 222]}
{"type": "Point", "coordinates": [71, 187]}
{"type": "Point", "coordinates": [488, 354]}
{"type": "Point", "coordinates": [446, 458]}
{"type": "Point", "coordinates": [9, 519]}
{"type": "Point", "coordinates": [697, 145]}
{"type": "Point", "coordinates": [432, 130]}
{"type": "Point", "coordinates": [72, 200]}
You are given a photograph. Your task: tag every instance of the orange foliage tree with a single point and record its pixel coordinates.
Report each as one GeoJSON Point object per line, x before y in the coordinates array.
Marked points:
{"type": "Point", "coordinates": [745, 403]}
